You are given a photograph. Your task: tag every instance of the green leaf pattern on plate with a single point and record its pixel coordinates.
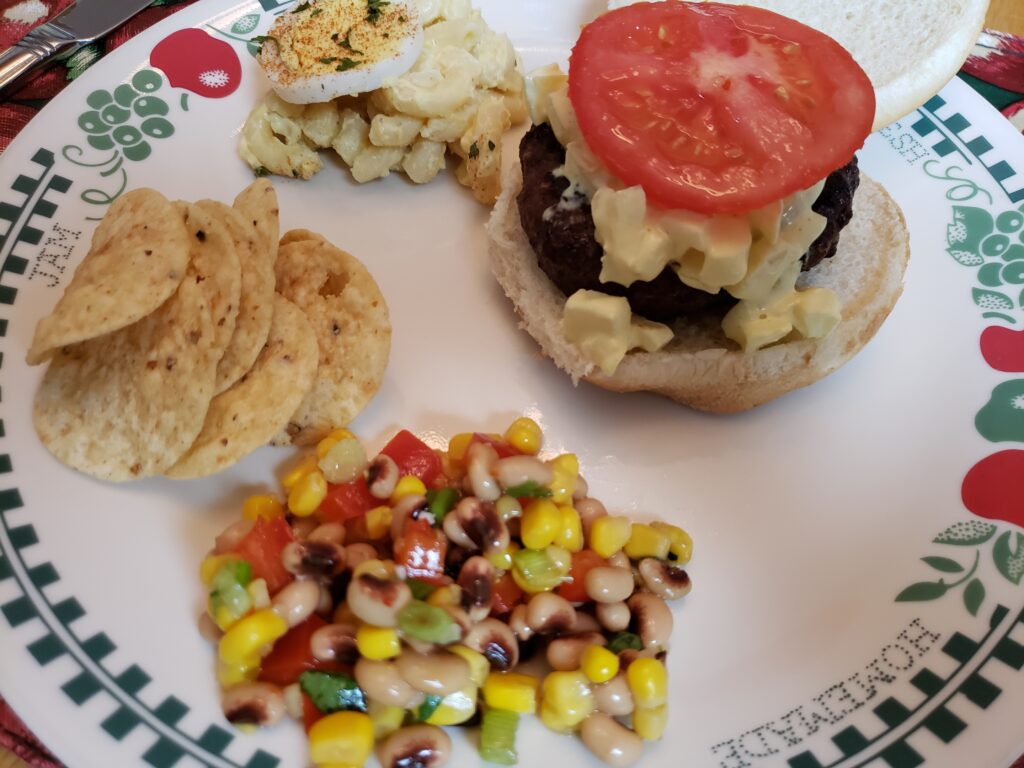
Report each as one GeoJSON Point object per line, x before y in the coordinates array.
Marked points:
{"type": "Point", "coordinates": [1009, 559]}
{"type": "Point", "coordinates": [995, 246]}
{"type": "Point", "coordinates": [967, 533]}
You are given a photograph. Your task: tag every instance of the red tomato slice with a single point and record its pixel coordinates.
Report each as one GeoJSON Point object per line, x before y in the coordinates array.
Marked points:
{"type": "Point", "coordinates": [310, 714]}
{"type": "Point", "coordinates": [505, 596]}
{"type": "Point", "coordinates": [291, 655]}
{"type": "Point", "coordinates": [346, 501]}
{"type": "Point", "coordinates": [262, 548]}
{"type": "Point", "coordinates": [716, 108]}
{"type": "Point", "coordinates": [574, 591]}
{"type": "Point", "coordinates": [413, 456]}
{"type": "Point", "coordinates": [421, 551]}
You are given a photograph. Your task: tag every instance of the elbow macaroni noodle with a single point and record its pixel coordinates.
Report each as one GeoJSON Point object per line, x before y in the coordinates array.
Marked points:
{"type": "Point", "coordinates": [464, 91]}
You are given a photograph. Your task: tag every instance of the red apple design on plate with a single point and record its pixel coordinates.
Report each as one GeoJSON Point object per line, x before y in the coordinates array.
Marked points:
{"type": "Point", "coordinates": [1003, 349]}
{"type": "Point", "coordinates": [994, 488]}
{"type": "Point", "coordinates": [197, 62]}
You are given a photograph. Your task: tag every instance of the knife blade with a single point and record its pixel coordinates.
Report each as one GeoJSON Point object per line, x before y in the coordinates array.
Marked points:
{"type": "Point", "coordinates": [80, 24]}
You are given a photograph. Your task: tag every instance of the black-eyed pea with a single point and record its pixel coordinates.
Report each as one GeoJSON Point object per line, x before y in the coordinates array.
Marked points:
{"type": "Point", "coordinates": [585, 622]}
{"type": "Point", "coordinates": [376, 596]}
{"type": "Point", "coordinates": [517, 470]}
{"type": "Point", "coordinates": [253, 704]}
{"type": "Point", "coordinates": [436, 674]}
{"type": "Point", "coordinates": [653, 620]}
{"type": "Point", "coordinates": [297, 601]}
{"type": "Point", "coordinates": [610, 741]}
{"type": "Point", "coordinates": [589, 510]}
{"type": "Point", "coordinates": [335, 642]}
{"type": "Point", "coordinates": [382, 682]}
{"type": "Point", "coordinates": [423, 746]}
{"type": "Point", "coordinates": [564, 653]}
{"type": "Point", "coordinates": [232, 536]}
{"type": "Point", "coordinates": [316, 559]}
{"type": "Point", "coordinates": [331, 532]}
{"type": "Point", "coordinates": [496, 641]}
{"type": "Point", "coordinates": [517, 622]}
{"type": "Point", "coordinates": [613, 616]}
{"type": "Point", "coordinates": [606, 584]}
{"type": "Point", "coordinates": [480, 463]}
{"type": "Point", "coordinates": [620, 560]}
{"type": "Point", "coordinates": [382, 476]}
{"type": "Point", "coordinates": [667, 581]}
{"type": "Point", "coordinates": [614, 697]}
{"type": "Point", "coordinates": [548, 613]}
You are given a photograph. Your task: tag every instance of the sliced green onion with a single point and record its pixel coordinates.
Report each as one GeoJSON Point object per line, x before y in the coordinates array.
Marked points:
{"type": "Point", "coordinates": [428, 623]}
{"type": "Point", "coordinates": [530, 489]}
{"type": "Point", "coordinates": [507, 508]}
{"type": "Point", "coordinates": [537, 569]}
{"type": "Point", "coordinates": [428, 707]}
{"type": "Point", "coordinates": [333, 691]}
{"type": "Point", "coordinates": [441, 501]}
{"type": "Point", "coordinates": [229, 597]}
{"type": "Point", "coordinates": [498, 736]}
{"type": "Point", "coordinates": [622, 641]}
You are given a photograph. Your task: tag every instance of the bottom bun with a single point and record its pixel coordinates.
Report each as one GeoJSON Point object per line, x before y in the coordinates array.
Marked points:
{"type": "Point", "coordinates": [700, 367]}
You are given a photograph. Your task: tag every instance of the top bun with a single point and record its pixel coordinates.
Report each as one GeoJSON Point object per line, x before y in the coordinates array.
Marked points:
{"type": "Point", "coordinates": [909, 50]}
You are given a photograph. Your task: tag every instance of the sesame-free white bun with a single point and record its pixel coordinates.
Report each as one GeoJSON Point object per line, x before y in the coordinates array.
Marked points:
{"type": "Point", "coordinates": [909, 50]}
{"type": "Point", "coordinates": [700, 367]}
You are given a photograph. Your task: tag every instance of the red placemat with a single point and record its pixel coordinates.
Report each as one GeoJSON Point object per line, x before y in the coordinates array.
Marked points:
{"type": "Point", "coordinates": [996, 70]}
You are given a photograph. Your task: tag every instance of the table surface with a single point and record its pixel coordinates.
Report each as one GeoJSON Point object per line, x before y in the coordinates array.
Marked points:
{"type": "Point", "coordinates": [1004, 15]}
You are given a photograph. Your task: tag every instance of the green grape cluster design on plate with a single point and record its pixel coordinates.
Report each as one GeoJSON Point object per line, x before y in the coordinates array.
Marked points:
{"type": "Point", "coordinates": [127, 117]}
{"type": "Point", "coordinates": [995, 245]}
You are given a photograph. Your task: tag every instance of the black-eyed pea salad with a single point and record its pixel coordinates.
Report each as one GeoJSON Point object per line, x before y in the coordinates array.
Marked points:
{"type": "Point", "coordinates": [380, 599]}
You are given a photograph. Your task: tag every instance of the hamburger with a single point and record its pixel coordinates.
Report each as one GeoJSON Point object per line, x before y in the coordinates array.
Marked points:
{"type": "Point", "coordinates": [687, 216]}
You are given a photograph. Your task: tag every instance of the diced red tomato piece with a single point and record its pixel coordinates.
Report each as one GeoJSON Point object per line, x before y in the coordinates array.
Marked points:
{"type": "Point", "coordinates": [291, 655]}
{"type": "Point", "coordinates": [345, 501]}
{"type": "Point", "coordinates": [413, 456]}
{"type": "Point", "coordinates": [500, 447]}
{"type": "Point", "coordinates": [310, 714]}
{"type": "Point", "coordinates": [262, 548]}
{"type": "Point", "coordinates": [421, 551]}
{"type": "Point", "coordinates": [582, 561]}
{"type": "Point", "coordinates": [505, 596]}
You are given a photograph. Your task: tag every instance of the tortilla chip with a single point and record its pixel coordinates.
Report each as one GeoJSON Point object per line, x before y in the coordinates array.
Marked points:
{"type": "Point", "coordinates": [129, 404]}
{"type": "Point", "coordinates": [298, 235]}
{"type": "Point", "coordinates": [137, 259]}
{"type": "Point", "coordinates": [256, 300]}
{"type": "Point", "coordinates": [350, 317]}
{"type": "Point", "coordinates": [258, 204]}
{"type": "Point", "coordinates": [249, 414]}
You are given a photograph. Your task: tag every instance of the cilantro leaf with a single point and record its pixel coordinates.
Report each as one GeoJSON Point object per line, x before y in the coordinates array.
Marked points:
{"type": "Point", "coordinates": [333, 691]}
{"type": "Point", "coordinates": [623, 640]}
{"type": "Point", "coordinates": [373, 9]}
{"type": "Point", "coordinates": [346, 64]}
{"type": "Point", "coordinates": [301, 7]}
{"type": "Point", "coordinates": [428, 707]}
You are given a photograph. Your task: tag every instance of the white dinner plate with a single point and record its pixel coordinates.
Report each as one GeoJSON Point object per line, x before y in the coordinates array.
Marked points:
{"type": "Point", "coordinates": [857, 591]}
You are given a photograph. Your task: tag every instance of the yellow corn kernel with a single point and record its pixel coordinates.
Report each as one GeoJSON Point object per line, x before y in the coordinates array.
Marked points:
{"type": "Point", "coordinates": [233, 674]}
{"type": "Point", "coordinates": [681, 548]}
{"type": "Point", "coordinates": [263, 506]}
{"type": "Point", "coordinates": [609, 534]}
{"type": "Point", "coordinates": [386, 718]}
{"type": "Point", "coordinates": [306, 465]}
{"type": "Point", "coordinates": [512, 691]}
{"type": "Point", "coordinates": [325, 445]}
{"type": "Point", "coordinates": [410, 485]}
{"type": "Point", "coordinates": [224, 618]}
{"type": "Point", "coordinates": [569, 695]}
{"type": "Point", "coordinates": [306, 495]}
{"type": "Point", "coordinates": [645, 541]}
{"type": "Point", "coordinates": [503, 560]}
{"type": "Point", "coordinates": [378, 522]}
{"type": "Point", "coordinates": [524, 434]}
{"type": "Point", "coordinates": [649, 723]}
{"type": "Point", "coordinates": [479, 666]}
{"type": "Point", "coordinates": [458, 445]}
{"type": "Point", "coordinates": [565, 469]}
{"type": "Point", "coordinates": [570, 532]}
{"type": "Point", "coordinates": [259, 594]}
{"type": "Point", "coordinates": [541, 521]}
{"type": "Point", "coordinates": [250, 638]}
{"type": "Point", "coordinates": [648, 682]}
{"type": "Point", "coordinates": [378, 642]}
{"type": "Point", "coordinates": [553, 719]}
{"type": "Point", "coordinates": [455, 708]}
{"type": "Point", "coordinates": [341, 738]}
{"type": "Point", "coordinates": [444, 597]}
{"type": "Point", "coordinates": [599, 664]}
{"type": "Point", "coordinates": [210, 565]}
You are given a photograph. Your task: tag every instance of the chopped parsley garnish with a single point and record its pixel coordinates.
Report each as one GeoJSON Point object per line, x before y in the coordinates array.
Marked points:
{"type": "Point", "coordinates": [373, 9]}
{"type": "Point", "coordinates": [347, 42]}
{"type": "Point", "coordinates": [346, 64]}
{"type": "Point", "coordinates": [474, 151]}
{"type": "Point", "coordinates": [301, 7]}
{"type": "Point", "coordinates": [261, 171]}
{"type": "Point", "coordinates": [428, 707]}
{"type": "Point", "coordinates": [491, 145]}
{"type": "Point", "coordinates": [316, 12]}
{"type": "Point", "coordinates": [328, 59]}
{"type": "Point", "coordinates": [259, 40]}
{"type": "Point", "coordinates": [402, 18]}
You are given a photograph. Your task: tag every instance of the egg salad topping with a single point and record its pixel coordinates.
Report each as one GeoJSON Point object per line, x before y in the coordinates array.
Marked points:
{"type": "Point", "coordinates": [754, 257]}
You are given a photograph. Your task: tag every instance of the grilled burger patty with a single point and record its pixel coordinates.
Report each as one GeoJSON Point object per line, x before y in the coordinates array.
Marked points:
{"type": "Point", "coordinates": [570, 255]}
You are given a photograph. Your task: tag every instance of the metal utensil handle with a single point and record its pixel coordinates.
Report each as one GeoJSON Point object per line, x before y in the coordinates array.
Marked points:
{"type": "Point", "coordinates": [32, 50]}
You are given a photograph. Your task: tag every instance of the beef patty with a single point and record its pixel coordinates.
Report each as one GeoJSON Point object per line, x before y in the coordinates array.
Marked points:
{"type": "Point", "coordinates": [570, 255]}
